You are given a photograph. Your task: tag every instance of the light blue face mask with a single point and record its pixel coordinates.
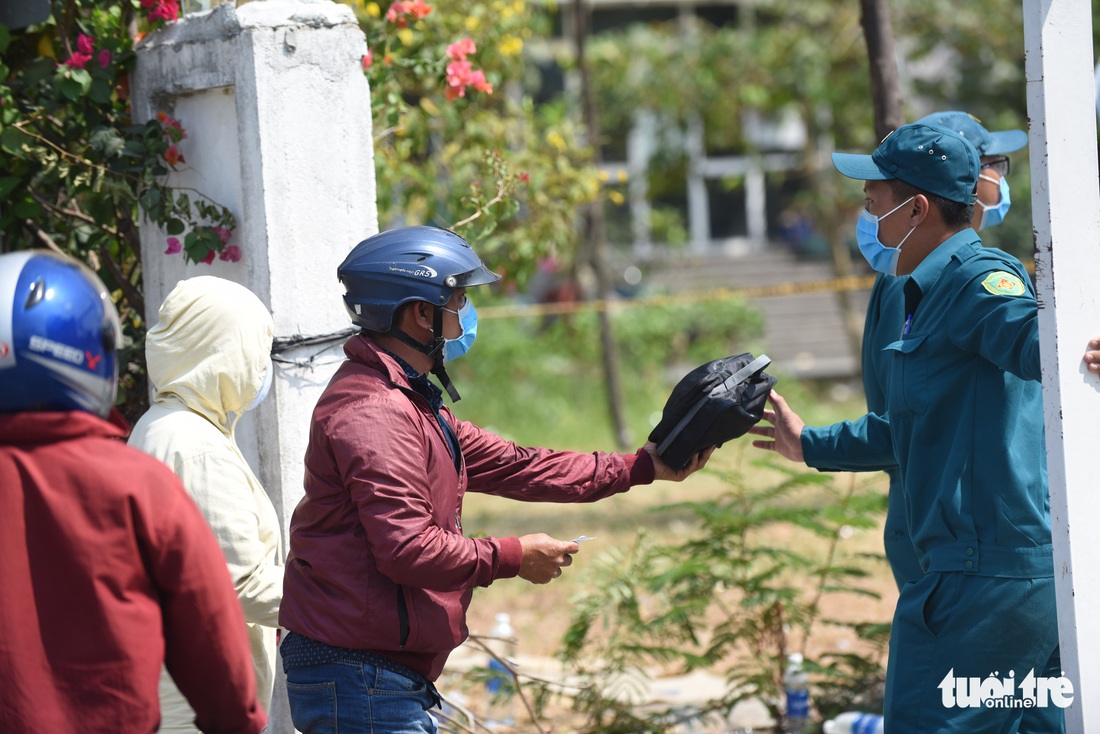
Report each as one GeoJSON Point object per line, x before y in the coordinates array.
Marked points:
{"type": "Point", "coordinates": [467, 318]}
{"type": "Point", "coordinates": [265, 386]}
{"type": "Point", "coordinates": [880, 257]}
{"type": "Point", "coordinates": [994, 215]}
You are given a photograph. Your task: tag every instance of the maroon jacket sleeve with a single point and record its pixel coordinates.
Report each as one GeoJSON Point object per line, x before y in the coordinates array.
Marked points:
{"type": "Point", "coordinates": [500, 467]}
{"type": "Point", "coordinates": [206, 640]}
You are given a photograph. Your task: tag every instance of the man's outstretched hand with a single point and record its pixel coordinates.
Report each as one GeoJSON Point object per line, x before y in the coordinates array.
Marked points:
{"type": "Point", "coordinates": [661, 470]}
{"type": "Point", "coordinates": [785, 430]}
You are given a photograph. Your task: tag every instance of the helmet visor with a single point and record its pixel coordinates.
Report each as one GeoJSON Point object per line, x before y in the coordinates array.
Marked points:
{"type": "Point", "coordinates": [480, 275]}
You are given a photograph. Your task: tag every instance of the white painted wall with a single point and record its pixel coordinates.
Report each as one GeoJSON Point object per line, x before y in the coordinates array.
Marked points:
{"type": "Point", "coordinates": [277, 112]}
{"type": "Point", "coordinates": [1066, 215]}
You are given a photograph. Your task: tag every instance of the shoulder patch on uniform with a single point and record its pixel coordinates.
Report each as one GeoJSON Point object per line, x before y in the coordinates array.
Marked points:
{"type": "Point", "coordinates": [1002, 283]}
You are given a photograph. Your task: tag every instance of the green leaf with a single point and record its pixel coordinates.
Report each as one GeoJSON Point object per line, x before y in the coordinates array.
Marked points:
{"type": "Point", "coordinates": [38, 70]}
{"type": "Point", "coordinates": [150, 198]}
{"type": "Point", "coordinates": [8, 184]}
{"type": "Point", "coordinates": [83, 77]}
{"type": "Point", "coordinates": [108, 142]}
{"type": "Point", "coordinates": [174, 227]}
{"type": "Point", "coordinates": [153, 204]}
{"type": "Point", "coordinates": [199, 243]}
{"type": "Point", "coordinates": [12, 141]}
{"type": "Point", "coordinates": [71, 88]}
{"type": "Point", "coordinates": [100, 91]}
{"type": "Point", "coordinates": [26, 209]}
{"type": "Point", "coordinates": [5, 38]}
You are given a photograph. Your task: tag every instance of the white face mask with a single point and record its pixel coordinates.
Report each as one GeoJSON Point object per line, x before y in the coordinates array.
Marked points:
{"type": "Point", "coordinates": [265, 387]}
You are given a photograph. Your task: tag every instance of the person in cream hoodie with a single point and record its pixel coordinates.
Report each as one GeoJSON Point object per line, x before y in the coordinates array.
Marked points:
{"type": "Point", "coordinates": [209, 360]}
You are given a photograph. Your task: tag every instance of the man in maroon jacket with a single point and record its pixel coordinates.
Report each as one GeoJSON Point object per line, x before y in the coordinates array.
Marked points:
{"type": "Point", "coordinates": [109, 570]}
{"type": "Point", "coordinates": [380, 575]}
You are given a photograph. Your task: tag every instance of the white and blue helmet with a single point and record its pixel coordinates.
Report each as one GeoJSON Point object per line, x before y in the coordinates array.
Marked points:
{"type": "Point", "coordinates": [59, 335]}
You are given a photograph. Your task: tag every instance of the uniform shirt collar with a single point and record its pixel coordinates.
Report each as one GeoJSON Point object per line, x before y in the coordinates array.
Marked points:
{"type": "Point", "coordinates": [933, 265]}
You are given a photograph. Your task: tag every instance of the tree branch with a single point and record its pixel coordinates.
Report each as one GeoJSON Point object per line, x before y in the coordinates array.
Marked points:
{"type": "Point", "coordinates": [502, 191]}
{"type": "Point", "coordinates": [42, 237]}
{"type": "Point", "coordinates": [130, 292]}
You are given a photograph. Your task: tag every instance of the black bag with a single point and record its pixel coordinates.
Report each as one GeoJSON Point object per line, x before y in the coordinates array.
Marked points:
{"type": "Point", "coordinates": [712, 404]}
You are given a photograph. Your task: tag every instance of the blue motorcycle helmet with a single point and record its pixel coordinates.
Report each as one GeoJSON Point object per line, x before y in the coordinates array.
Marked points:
{"type": "Point", "coordinates": [59, 335]}
{"type": "Point", "coordinates": [398, 266]}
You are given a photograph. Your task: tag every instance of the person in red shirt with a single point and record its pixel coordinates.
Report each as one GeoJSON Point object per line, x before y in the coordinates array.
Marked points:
{"type": "Point", "coordinates": [109, 569]}
{"type": "Point", "coordinates": [380, 574]}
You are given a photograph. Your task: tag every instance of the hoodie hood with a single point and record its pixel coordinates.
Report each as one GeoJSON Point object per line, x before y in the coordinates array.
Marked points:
{"type": "Point", "coordinates": [210, 347]}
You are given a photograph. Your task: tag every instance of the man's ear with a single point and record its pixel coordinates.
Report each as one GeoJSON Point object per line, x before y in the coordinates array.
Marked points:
{"type": "Point", "coordinates": [413, 315]}
{"type": "Point", "coordinates": [919, 209]}
{"type": "Point", "coordinates": [423, 314]}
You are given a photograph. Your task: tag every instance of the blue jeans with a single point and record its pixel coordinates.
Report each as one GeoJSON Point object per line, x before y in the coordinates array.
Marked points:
{"type": "Point", "coordinates": [353, 696]}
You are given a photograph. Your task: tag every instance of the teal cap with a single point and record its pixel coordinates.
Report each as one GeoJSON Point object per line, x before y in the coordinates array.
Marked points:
{"type": "Point", "coordinates": [930, 157]}
{"type": "Point", "coordinates": [985, 141]}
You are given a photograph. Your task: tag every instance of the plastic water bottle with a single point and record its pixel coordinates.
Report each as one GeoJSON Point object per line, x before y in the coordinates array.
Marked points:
{"type": "Point", "coordinates": [855, 722]}
{"type": "Point", "coordinates": [501, 686]}
{"type": "Point", "coordinates": [797, 685]}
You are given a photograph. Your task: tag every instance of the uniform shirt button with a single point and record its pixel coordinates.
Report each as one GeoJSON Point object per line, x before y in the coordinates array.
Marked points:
{"type": "Point", "coordinates": [969, 551]}
{"type": "Point", "coordinates": [968, 565]}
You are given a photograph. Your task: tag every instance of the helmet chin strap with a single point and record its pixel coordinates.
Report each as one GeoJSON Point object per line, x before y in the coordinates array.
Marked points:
{"type": "Point", "coordinates": [433, 349]}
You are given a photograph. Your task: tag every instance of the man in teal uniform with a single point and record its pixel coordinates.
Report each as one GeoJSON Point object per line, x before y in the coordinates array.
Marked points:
{"type": "Point", "coordinates": [964, 424]}
{"type": "Point", "coordinates": [885, 312]}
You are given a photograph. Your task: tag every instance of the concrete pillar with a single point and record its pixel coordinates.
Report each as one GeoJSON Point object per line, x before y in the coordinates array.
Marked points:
{"type": "Point", "coordinates": [277, 113]}
{"type": "Point", "coordinates": [1066, 212]}
{"type": "Point", "coordinates": [698, 200]}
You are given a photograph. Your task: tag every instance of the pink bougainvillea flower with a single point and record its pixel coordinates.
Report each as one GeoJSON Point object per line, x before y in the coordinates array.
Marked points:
{"type": "Point", "coordinates": [458, 76]}
{"type": "Point", "coordinates": [148, 3]}
{"type": "Point", "coordinates": [209, 257]}
{"type": "Point", "coordinates": [163, 10]}
{"type": "Point", "coordinates": [85, 44]}
{"type": "Point", "coordinates": [417, 8]}
{"type": "Point", "coordinates": [104, 58]}
{"type": "Point", "coordinates": [78, 60]}
{"type": "Point", "coordinates": [173, 156]}
{"type": "Point", "coordinates": [395, 13]}
{"type": "Point", "coordinates": [459, 73]}
{"type": "Point", "coordinates": [479, 82]}
{"type": "Point", "coordinates": [525, 177]}
{"type": "Point", "coordinates": [223, 234]}
{"type": "Point", "coordinates": [174, 246]}
{"type": "Point", "coordinates": [368, 59]}
{"type": "Point", "coordinates": [231, 254]}
{"type": "Point", "coordinates": [460, 49]}
{"type": "Point", "coordinates": [173, 131]}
